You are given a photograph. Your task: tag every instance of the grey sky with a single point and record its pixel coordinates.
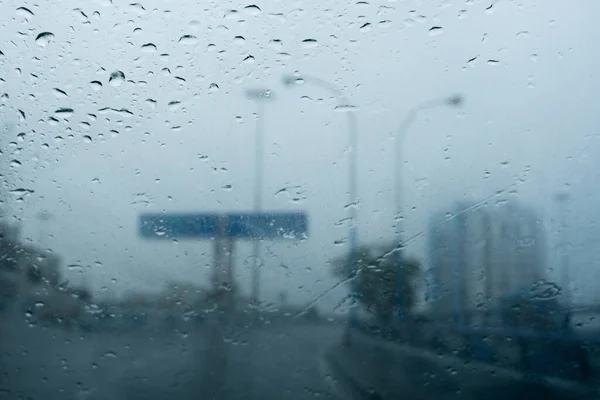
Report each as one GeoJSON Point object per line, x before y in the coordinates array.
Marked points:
{"type": "Point", "coordinates": [531, 113]}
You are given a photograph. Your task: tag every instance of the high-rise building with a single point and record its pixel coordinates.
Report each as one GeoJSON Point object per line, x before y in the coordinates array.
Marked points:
{"type": "Point", "coordinates": [479, 254]}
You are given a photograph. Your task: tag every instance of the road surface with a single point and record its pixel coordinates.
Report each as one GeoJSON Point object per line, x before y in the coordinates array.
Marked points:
{"type": "Point", "coordinates": [280, 361]}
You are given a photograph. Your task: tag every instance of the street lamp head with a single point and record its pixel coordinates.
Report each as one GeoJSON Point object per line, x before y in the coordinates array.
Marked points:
{"type": "Point", "coordinates": [455, 101]}
{"type": "Point", "coordinates": [260, 94]}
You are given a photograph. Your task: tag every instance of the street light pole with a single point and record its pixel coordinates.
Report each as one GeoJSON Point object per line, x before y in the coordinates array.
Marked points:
{"type": "Point", "coordinates": [453, 101]}
{"type": "Point", "coordinates": [345, 106]}
{"type": "Point", "coordinates": [260, 96]}
{"type": "Point", "coordinates": [562, 199]}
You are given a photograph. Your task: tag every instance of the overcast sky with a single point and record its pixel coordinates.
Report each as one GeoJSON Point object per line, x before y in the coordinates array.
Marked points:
{"type": "Point", "coordinates": [529, 125]}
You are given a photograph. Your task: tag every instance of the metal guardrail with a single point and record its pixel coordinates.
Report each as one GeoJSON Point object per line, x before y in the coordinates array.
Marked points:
{"type": "Point", "coordinates": [559, 350]}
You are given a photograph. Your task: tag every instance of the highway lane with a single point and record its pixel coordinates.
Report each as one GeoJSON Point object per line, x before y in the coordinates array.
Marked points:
{"type": "Point", "coordinates": [205, 361]}
{"type": "Point", "coordinates": [279, 361]}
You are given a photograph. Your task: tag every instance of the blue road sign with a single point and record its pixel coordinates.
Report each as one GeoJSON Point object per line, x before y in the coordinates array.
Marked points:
{"type": "Point", "coordinates": [283, 225]}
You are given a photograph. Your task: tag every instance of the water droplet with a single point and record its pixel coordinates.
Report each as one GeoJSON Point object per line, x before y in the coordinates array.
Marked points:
{"type": "Point", "coordinates": [21, 192]}
{"type": "Point", "coordinates": [24, 12]}
{"type": "Point", "coordinates": [252, 9]}
{"type": "Point", "coordinates": [526, 241]}
{"type": "Point", "coordinates": [249, 59]}
{"type": "Point", "coordinates": [44, 38]}
{"type": "Point", "coordinates": [116, 78]}
{"type": "Point", "coordinates": [149, 48]}
{"type": "Point", "coordinates": [227, 187]}
{"type": "Point", "coordinates": [75, 267]}
{"type": "Point", "coordinates": [15, 163]}
{"type": "Point", "coordinates": [110, 354]}
{"type": "Point", "coordinates": [87, 139]}
{"type": "Point", "coordinates": [96, 85]}
{"type": "Point", "coordinates": [64, 112]}
{"type": "Point", "coordinates": [366, 27]}
{"type": "Point", "coordinates": [137, 7]}
{"type": "Point", "coordinates": [435, 30]}
{"type": "Point", "coordinates": [174, 105]}
{"type": "Point", "coordinates": [213, 87]}
{"type": "Point", "coordinates": [493, 62]}
{"type": "Point", "coordinates": [544, 290]}
{"type": "Point", "coordinates": [310, 43]}
{"type": "Point", "coordinates": [340, 242]}
{"type": "Point", "coordinates": [346, 108]}
{"type": "Point", "coordinates": [471, 61]}
{"type": "Point", "coordinates": [188, 40]}
{"type": "Point", "coordinates": [61, 94]}
{"type": "Point", "coordinates": [239, 40]}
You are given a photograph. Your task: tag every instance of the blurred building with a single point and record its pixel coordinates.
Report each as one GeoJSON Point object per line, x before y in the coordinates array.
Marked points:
{"type": "Point", "coordinates": [481, 254]}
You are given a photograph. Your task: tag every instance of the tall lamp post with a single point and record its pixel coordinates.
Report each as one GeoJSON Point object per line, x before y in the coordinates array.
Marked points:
{"type": "Point", "coordinates": [259, 96]}
{"type": "Point", "coordinates": [562, 199]}
{"type": "Point", "coordinates": [452, 101]}
{"type": "Point", "coordinates": [345, 105]}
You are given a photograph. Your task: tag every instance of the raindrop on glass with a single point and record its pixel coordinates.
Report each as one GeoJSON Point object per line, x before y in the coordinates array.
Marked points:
{"type": "Point", "coordinates": [252, 9]}
{"type": "Point", "coordinates": [435, 30]}
{"type": "Point", "coordinates": [366, 27]}
{"type": "Point", "coordinates": [59, 93]}
{"type": "Point", "coordinates": [24, 12]}
{"type": "Point", "coordinates": [249, 59]}
{"type": "Point", "coordinates": [346, 108]}
{"type": "Point", "coordinates": [310, 43]}
{"type": "Point", "coordinates": [188, 40]}
{"type": "Point", "coordinates": [110, 354]}
{"type": "Point", "coordinates": [44, 38]}
{"type": "Point", "coordinates": [96, 85]}
{"type": "Point", "coordinates": [544, 290]}
{"type": "Point", "coordinates": [64, 112]}
{"type": "Point", "coordinates": [149, 48]}
{"type": "Point", "coordinates": [174, 105]}
{"type": "Point", "coordinates": [116, 78]}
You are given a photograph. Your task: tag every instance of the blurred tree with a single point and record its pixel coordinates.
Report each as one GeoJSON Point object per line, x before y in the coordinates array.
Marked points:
{"type": "Point", "coordinates": [377, 279]}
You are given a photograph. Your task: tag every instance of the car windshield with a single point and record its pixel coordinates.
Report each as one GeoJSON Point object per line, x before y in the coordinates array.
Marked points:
{"type": "Point", "coordinates": [298, 199]}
